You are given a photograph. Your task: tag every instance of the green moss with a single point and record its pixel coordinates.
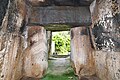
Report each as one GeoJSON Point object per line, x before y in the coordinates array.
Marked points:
{"type": "Point", "coordinates": [67, 75]}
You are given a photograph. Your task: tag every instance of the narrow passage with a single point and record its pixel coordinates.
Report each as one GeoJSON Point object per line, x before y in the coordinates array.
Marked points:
{"type": "Point", "coordinates": [60, 69]}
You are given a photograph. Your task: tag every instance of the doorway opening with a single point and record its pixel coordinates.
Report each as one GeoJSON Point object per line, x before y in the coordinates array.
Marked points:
{"type": "Point", "coordinates": [59, 67]}
{"type": "Point", "coordinates": [60, 47]}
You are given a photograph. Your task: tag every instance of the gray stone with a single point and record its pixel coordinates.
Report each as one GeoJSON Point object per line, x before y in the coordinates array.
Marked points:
{"type": "Point", "coordinates": [60, 2]}
{"type": "Point", "coordinates": [3, 7]}
{"type": "Point", "coordinates": [74, 16]}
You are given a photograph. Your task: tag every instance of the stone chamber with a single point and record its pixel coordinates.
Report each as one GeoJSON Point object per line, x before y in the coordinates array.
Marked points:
{"type": "Point", "coordinates": [95, 37]}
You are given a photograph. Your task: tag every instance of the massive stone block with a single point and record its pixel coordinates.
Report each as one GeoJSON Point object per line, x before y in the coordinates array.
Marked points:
{"type": "Point", "coordinates": [60, 15]}
{"type": "Point", "coordinates": [60, 2]}
{"type": "Point", "coordinates": [11, 40]}
{"type": "Point", "coordinates": [106, 32]}
{"type": "Point", "coordinates": [82, 57]}
{"type": "Point", "coordinates": [36, 55]}
{"type": "Point", "coordinates": [3, 8]}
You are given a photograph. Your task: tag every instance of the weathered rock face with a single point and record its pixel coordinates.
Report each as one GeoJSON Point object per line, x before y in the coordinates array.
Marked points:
{"type": "Point", "coordinates": [60, 15]}
{"type": "Point", "coordinates": [27, 60]}
{"type": "Point", "coordinates": [11, 41]}
{"type": "Point", "coordinates": [3, 8]}
{"type": "Point", "coordinates": [36, 55]}
{"type": "Point", "coordinates": [49, 41]}
{"type": "Point", "coordinates": [106, 32]}
{"type": "Point", "coordinates": [60, 2]}
{"type": "Point", "coordinates": [106, 28]}
{"type": "Point", "coordinates": [81, 52]}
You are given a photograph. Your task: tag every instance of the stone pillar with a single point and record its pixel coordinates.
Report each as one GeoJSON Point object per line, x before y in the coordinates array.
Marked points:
{"type": "Point", "coordinates": [11, 40]}
{"type": "Point", "coordinates": [36, 55]}
{"type": "Point", "coordinates": [82, 58]}
{"type": "Point", "coordinates": [106, 32]}
{"type": "Point", "coordinates": [49, 42]}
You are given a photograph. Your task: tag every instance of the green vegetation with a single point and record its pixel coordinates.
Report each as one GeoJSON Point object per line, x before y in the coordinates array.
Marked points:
{"type": "Point", "coordinates": [68, 73]}
{"type": "Point", "coordinates": [62, 42]}
{"type": "Point", "coordinates": [65, 76]}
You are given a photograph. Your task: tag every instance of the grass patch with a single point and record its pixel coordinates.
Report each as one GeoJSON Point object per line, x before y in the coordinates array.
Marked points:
{"type": "Point", "coordinates": [60, 77]}
{"type": "Point", "coordinates": [55, 77]}
{"type": "Point", "coordinates": [68, 75]}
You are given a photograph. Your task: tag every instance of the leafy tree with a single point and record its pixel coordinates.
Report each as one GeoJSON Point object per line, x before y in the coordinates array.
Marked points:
{"type": "Point", "coordinates": [62, 42]}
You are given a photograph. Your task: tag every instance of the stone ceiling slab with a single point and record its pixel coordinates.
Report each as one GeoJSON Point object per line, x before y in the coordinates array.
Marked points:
{"type": "Point", "coordinates": [74, 16]}
{"type": "Point", "coordinates": [60, 2]}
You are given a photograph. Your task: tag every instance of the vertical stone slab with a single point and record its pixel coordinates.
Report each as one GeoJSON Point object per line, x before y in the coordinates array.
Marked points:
{"type": "Point", "coordinates": [12, 66]}
{"type": "Point", "coordinates": [49, 41]}
{"type": "Point", "coordinates": [36, 55]}
{"type": "Point", "coordinates": [81, 52]}
{"type": "Point", "coordinates": [106, 32]}
{"type": "Point", "coordinates": [11, 38]}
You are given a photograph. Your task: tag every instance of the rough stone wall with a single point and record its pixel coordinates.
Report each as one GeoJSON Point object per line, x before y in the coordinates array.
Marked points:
{"type": "Point", "coordinates": [3, 8]}
{"type": "Point", "coordinates": [35, 55]}
{"type": "Point", "coordinates": [49, 42]}
{"type": "Point", "coordinates": [106, 33]}
{"type": "Point", "coordinates": [105, 30]}
{"type": "Point", "coordinates": [81, 52]}
{"type": "Point", "coordinates": [11, 40]}
{"type": "Point", "coordinates": [69, 15]}
{"type": "Point", "coordinates": [18, 57]}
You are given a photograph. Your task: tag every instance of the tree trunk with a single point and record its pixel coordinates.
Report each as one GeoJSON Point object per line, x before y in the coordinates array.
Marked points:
{"type": "Point", "coordinates": [81, 52]}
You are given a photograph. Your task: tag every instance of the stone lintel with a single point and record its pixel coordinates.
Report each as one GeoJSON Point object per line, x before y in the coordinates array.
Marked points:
{"type": "Point", "coordinates": [64, 15]}
{"type": "Point", "coordinates": [60, 2]}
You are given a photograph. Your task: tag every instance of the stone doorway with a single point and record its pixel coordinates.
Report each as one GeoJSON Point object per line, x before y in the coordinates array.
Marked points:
{"type": "Point", "coordinates": [62, 18]}
{"type": "Point", "coordinates": [59, 66]}
{"type": "Point", "coordinates": [36, 17]}
{"type": "Point", "coordinates": [93, 57]}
